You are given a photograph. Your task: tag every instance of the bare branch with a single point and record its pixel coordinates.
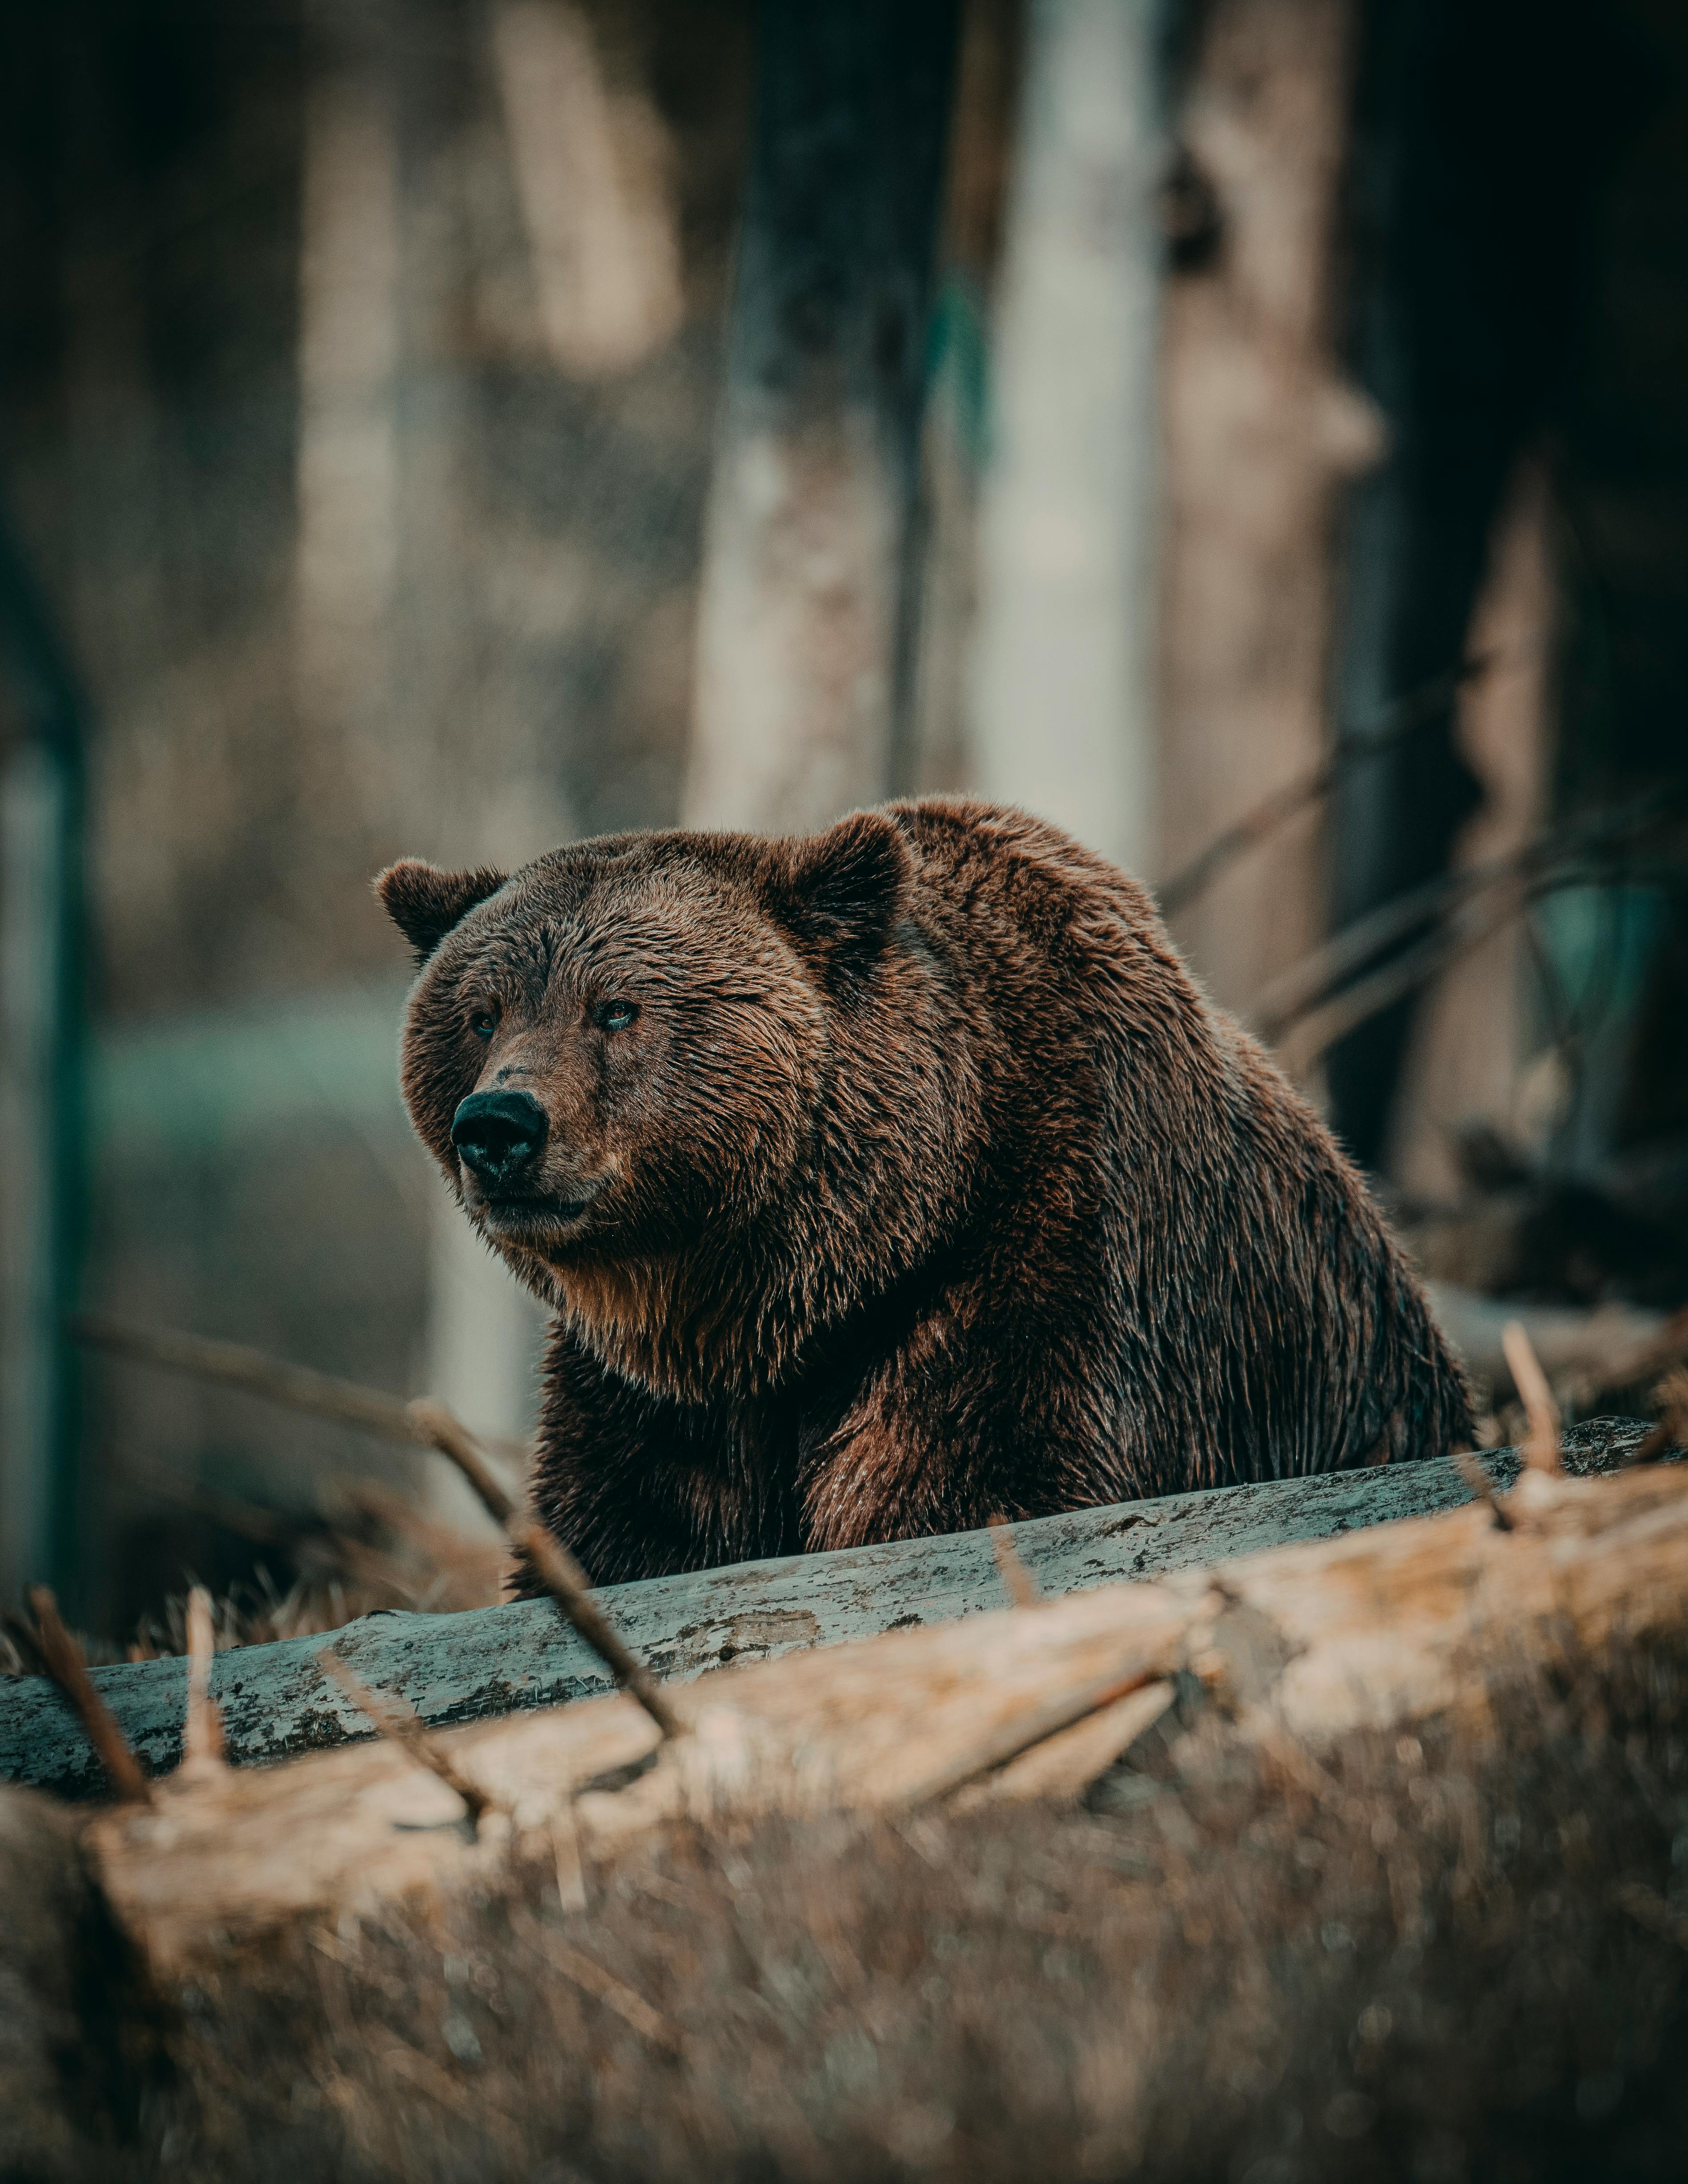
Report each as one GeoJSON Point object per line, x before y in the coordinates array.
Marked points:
{"type": "Point", "coordinates": [396, 1721]}
{"type": "Point", "coordinates": [1554, 855]}
{"type": "Point", "coordinates": [1405, 718]}
{"type": "Point", "coordinates": [566, 1582]}
{"type": "Point", "coordinates": [1478, 1479]}
{"type": "Point", "coordinates": [434, 1425]}
{"type": "Point", "coordinates": [68, 1669]}
{"type": "Point", "coordinates": [294, 1387]}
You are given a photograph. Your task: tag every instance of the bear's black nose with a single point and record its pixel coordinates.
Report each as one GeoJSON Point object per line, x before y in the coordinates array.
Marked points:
{"type": "Point", "coordinates": [498, 1133]}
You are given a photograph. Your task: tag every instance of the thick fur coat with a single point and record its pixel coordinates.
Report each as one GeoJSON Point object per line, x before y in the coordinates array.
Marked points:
{"type": "Point", "coordinates": [891, 1178]}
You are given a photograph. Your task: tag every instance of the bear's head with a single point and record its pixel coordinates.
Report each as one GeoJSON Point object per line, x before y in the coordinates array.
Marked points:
{"type": "Point", "coordinates": [619, 1052]}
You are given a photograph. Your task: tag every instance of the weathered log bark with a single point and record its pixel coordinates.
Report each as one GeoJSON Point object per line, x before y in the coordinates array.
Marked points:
{"type": "Point", "coordinates": [1297, 1646]}
{"type": "Point", "coordinates": [503, 1660]}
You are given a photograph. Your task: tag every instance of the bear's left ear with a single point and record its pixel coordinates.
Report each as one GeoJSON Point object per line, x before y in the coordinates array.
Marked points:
{"type": "Point", "coordinates": [840, 893]}
{"type": "Point", "coordinates": [426, 903]}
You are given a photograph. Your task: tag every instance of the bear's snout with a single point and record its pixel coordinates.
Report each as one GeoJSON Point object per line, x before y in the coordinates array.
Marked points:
{"type": "Point", "coordinates": [500, 1135]}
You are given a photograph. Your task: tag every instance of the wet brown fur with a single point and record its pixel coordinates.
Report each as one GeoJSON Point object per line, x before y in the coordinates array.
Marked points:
{"type": "Point", "coordinates": [929, 1186]}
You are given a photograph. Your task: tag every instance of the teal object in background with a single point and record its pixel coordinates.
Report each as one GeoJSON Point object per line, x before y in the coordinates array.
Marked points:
{"type": "Point", "coordinates": [159, 1090]}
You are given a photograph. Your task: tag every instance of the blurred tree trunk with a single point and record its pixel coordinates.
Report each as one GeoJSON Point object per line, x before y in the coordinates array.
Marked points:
{"type": "Point", "coordinates": [44, 1535]}
{"type": "Point", "coordinates": [1261, 431]}
{"type": "Point", "coordinates": [802, 620]}
{"type": "Point", "coordinates": [1062, 698]}
{"type": "Point", "coordinates": [1483, 136]}
{"type": "Point", "coordinates": [1466, 1062]}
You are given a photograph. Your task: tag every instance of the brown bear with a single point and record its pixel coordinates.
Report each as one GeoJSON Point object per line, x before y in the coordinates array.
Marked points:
{"type": "Point", "coordinates": [887, 1179]}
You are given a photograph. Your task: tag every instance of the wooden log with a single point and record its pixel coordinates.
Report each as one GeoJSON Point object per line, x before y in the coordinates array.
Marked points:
{"type": "Point", "coordinates": [502, 1660]}
{"type": "Point", "coordinates": [1297, 1646]}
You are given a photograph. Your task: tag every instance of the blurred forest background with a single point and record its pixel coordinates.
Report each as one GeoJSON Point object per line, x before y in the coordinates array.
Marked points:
{"type": "Point", "coordinates": [1253, 432]}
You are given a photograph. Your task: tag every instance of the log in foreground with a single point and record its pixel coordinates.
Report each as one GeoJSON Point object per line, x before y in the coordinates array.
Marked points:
{"type": "Point", "coordinates": [1294, 1648]}
{"type": "Point", "coordinates": [496, 1661]}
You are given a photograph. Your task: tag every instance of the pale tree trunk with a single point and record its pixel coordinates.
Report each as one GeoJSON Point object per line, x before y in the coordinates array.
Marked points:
{"type": "Point", "coordinates": [1261, 431]}
{"type": "Point", "coordinates": [801, 633]}
{"type": "Point", "coordinates": [1062, 698]}
{"type": "Point", "coordinates": [383, 678]}
{"type": "Point", "coordinates": [1466, 1062]}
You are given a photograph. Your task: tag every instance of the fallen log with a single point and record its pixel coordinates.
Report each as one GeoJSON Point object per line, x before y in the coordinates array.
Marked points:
{"type": "Point", "coordinates": [1297, 1648]}
{"type": "Point", "coordinates": [495, 1661]}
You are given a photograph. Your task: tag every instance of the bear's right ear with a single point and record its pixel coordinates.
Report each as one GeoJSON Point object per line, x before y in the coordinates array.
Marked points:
{"type": "Point", "coordinates": [839, 894]}
{"type": "Point", "coordinates": [426, 903]}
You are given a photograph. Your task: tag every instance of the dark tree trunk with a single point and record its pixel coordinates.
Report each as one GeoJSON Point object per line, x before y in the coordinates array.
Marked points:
{"type": "Point", "coordinates": [1482, 131]}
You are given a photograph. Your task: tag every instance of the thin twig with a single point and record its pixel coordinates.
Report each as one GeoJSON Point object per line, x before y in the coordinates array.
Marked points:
{"type": "Point", "coordinates": [398, 1722]}
{"type": "Point", "coordinates": [422, 1422]}
{"type": "Point", "coordinates": [1541, 1449]}
{"type": "Point", "coordinates": [434, 1425]}
{"type": "Point", "coordinates": [1022, 1586]}
{"type": "Point", "coordinates": [1311, 1033]}
{"type": "Point", "coordinates": [294, 1387]}
{"type": "Point", "coordinates": [1305, 986]}
{"type": "Point", "coordinates": [1478, 1479]}
{"type": "Point", "coordinates": [202, 1731]}
{"type": "Point", "coordinates": [566, 1582]}
{"type": "Point", "coordinates": [1405, 718]}
{"type": "Point", "coordinates": [68, 1669]}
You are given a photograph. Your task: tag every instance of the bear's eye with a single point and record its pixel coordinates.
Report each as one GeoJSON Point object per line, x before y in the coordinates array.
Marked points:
{"type": "Point", "coordinates": [483, 1023]}
{"type": "Point", "coordinates": [614, 1016]}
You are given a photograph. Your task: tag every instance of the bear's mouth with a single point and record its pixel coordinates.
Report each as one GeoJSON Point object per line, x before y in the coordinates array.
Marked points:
{"type": "Point", "coordinates": [532, 1217]}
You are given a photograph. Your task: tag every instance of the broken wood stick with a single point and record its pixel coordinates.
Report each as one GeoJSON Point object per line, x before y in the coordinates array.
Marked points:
{"type": "Point", "coordinates": [436, 1428]}
{"type": "Point", "coordinates": [202, 1731]}
{"type": "Point", "coordinates": [68, 1669]}
{"type": "Point", "coordinates": [1022, 1586]}
{"type": "Point", "coordinates": [1671, 1395]}
{"type": "Point", "coordinates": [1541, 1449]}
{"type": "Point", "coordinates": [586, 1974]}
{"type": "Point", "coordinates": [422, 1421]}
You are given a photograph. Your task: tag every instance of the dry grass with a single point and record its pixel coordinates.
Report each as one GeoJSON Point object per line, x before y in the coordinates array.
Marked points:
{"type": "Point", "coordinates": [1462, 1956]}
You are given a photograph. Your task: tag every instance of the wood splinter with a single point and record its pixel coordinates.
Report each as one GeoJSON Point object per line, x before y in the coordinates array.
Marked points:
{"type": "Point", "coordinates": [1035, 1726]}
{"type": "Point", "coordinates": [202, 1731]}
{"type": "Point", "coordinates": [1541, 1449]}
{"type": "Point", "coordinates": [1022, 1586]}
